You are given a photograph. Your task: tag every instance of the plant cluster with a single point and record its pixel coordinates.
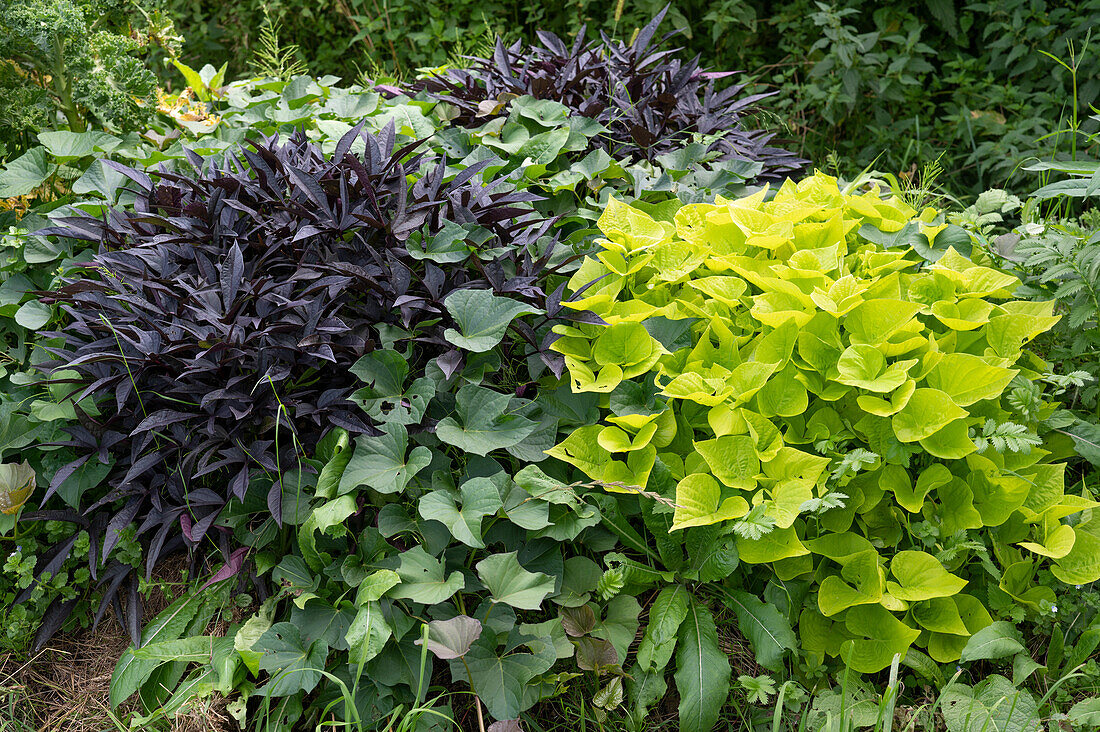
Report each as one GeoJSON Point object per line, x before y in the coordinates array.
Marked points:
{"type": "Point", "coordinates": [849, 416]}
{"type": "Point", "coordinates": [215, 332]}
{"type": "Point", "coordinates": [648, 101]}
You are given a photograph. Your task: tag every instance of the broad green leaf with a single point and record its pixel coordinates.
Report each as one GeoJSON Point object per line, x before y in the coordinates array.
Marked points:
{"type": "Point", "coordinates": [248, 635]}
{"type": "Point", "coordinates": [483, 421]}
{"type": "Point", "coordinates": [766, 628]}
{"type": "Point", "coordinates": [702, 671]}
{"type": "Point", "coordinates": [67, 146]}
{"type": "Point", "coordinates": [666, 614]}
{"type": "Point", "coordinates": [380, 463]}
{"type": "Point", "coordinates": [22, 175]}
{"type": "Point", "coordinates": [479, 497]}
{"type": "Point", "coordinates": [993, 705]}
{"type": "Point", "coordinates": [482, 318]}
{"type": "Point", "coordinates": [368, 633]}
{"type": "Point", "coordinates": [503, 681]}
{"type": "Point", "coordinates": [295, 664]}
{"type": "Point", "coordinates": [172, 623]}
{"type": "Point", "coordinates": [999, 640]}
{"type": "Point", "coordinates": [452, 638]}
{"type": "Point", "coordinates": [510, 583]}
{"type": "Point", "coordinates": [424, 580]}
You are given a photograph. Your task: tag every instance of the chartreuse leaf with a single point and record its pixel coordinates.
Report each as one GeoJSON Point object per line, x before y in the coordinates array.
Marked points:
{"type": "Point", "coordinates": [861, 582]}
{"type": "Point", "coordinates": [702, 670]}
{"type": "Point", "coordinates": [819, 388]}
{"type": "Point", "coordinates": [966, 378]}
{"type": "Point", "coordinates": [484, 421]}
{"type": "Point", "coordinates": [699, 502]}
{"type": "Point", "coordinates": [775, 545]}
{"type": "Point", "coordinates": [482, 318]}
{"type": "Point", "coordinates": [920, 576]}
{"type": "Point", "coordinates": [1082, 564]}
{"type": "Point", "coordinates": [927, 412]}
{"type": "Point", "coordinates": [879, 636]}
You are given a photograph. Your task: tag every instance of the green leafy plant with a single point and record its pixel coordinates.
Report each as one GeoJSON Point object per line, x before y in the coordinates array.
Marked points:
{"type": "Point", "coordinates": [749, 347]}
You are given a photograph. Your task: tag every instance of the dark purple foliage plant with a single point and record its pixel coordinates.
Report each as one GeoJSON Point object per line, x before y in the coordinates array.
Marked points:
{"type": "Point", "coordinates": [216, 327]}
{"type": "Point", "coordinates": [649, 100]}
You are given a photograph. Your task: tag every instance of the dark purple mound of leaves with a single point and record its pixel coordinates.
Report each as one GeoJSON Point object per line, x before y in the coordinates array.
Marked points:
{"type": "Point", "coordinates": [650, 101]}
{"type": "Point", "coordinates": [215, 328]}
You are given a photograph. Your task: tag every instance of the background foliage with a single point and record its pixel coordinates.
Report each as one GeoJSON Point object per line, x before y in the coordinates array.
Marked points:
{"type": "Point", "coordinates": [906, 82]}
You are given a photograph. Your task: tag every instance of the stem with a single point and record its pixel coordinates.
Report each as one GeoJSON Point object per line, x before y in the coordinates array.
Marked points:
{"type": "Point", "coordinates": [480, 719]}
{"type": "Point", "coordinates": [64, 90]}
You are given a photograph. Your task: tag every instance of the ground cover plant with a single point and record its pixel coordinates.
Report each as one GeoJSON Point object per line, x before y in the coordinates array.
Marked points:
{"type": "Point", "coordinates": [648, 100]}
{"type": "Point", "coordinates": [404, 408]}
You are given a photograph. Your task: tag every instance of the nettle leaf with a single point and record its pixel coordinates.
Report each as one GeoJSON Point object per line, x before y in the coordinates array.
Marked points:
{"type": "Point", "coordinates": [508, 582]}
{"type": "Point", "coordinates": [482, 318]}
{"type": "Point", "coordinates": [479, 497]}
{"type": "Point", "coordinates": [380, 463]}
{"type": "Point", "coordinates": [993, 704]}
{"type": "Point", "coordinates": [484, 421]}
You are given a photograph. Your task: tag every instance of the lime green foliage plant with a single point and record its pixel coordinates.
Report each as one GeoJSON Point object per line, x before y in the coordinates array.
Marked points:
{"type": "Point", "coordinates": [831, 400]}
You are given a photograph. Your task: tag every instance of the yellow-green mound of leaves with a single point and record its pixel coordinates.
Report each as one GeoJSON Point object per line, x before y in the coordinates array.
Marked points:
{"type": "Point", "coordinates": [820, 394]}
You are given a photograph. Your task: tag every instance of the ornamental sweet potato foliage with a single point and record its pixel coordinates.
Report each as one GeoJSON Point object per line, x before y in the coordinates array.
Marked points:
{"type": "Point", "coordinates": [649, 101]}
{"type": "Point", "coordinates": [212, 338]}
{"type": "Point", "coordinates": [839, 407]}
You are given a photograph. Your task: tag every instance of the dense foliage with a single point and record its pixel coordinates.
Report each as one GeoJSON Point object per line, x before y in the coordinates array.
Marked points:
{"type": "Point", "coordinates": [647, 100]}
{"type": "Point", "coordinates": [895, 85]}
{"type": "Point", "coordinates": [510, 397]}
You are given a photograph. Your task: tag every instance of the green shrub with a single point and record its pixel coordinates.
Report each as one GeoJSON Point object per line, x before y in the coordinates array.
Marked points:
{"type": "Point", "coordinates": [842, 410]}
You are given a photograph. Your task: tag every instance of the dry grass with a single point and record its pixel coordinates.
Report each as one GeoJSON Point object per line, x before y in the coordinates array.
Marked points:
{"type": "Point", "coordinates": [65, 687]}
